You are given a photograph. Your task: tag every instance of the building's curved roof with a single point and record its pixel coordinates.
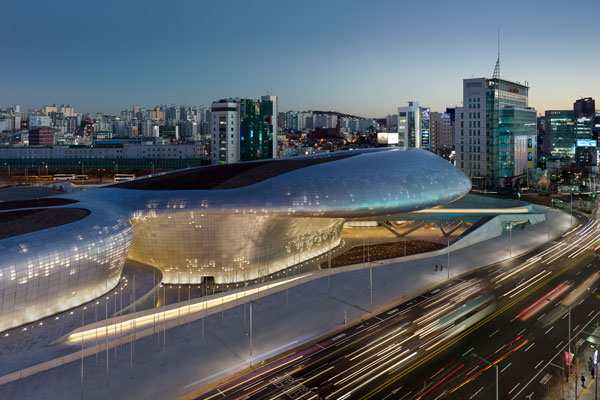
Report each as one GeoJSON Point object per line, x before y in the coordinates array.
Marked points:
{"type": "Point", "coordinates": [345, 184]}
{"type": "Point", "coordinates": [227, 176]}
{"type": "Point", "coordinates": [20, 222]}
{"type": "Point", "coordinates": [44, 202]}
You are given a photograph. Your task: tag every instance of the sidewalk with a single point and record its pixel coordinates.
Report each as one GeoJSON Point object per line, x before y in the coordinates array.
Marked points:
{"type": "Point", "coordinates": [205, 350]}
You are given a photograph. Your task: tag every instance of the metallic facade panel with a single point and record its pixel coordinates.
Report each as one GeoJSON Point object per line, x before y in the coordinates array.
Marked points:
{"type": "Point", "coordinates": [231, 235]}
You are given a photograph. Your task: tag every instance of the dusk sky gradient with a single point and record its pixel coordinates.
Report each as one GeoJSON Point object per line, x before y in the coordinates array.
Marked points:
{"type": "Point", "coordinates": [359, 57]}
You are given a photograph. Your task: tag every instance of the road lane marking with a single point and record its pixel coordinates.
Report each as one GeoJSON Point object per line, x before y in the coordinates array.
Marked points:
{"type": "Point", "coordinates": [468, 351]}
{"type": "Point", "coordinates": [574, 329]}
{"type": "Point", "coordinates": [507, 365]}
{"type": "Point", "coordinates": [559, 343]}
{"type": "Point", "coordinates": [514, 387]}
{"type": "Point", "coordinates": [540, 371]}
{"type": "Point", "coordinates": [541, 316]}
{"type": "Point", "coordinates": [530, 346]}
{"type": "Point", "coordinates": [508, 306]}
{"type": "Point", "coordinates": [493, 333]}
{"type": "Point", "coordinates": [552, 327]}
{"type": "Point", "coordinates": [538, 364]}
{"type": "Point", "coordinates": [476, 393]}
{"type": "Point", "coordinates": [591, 312]}
{"type": "Point", "coordinates": [519, 334]}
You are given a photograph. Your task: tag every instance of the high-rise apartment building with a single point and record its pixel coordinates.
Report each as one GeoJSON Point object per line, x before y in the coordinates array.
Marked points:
{"type": "Point", "coordinates": [442, 132]}
{"type": "Point", "coordinates": [243, 130]}
{"type": "Point", "coordinates": [495, 132]}
{"type": "Point", "coordinates": [225, 131]}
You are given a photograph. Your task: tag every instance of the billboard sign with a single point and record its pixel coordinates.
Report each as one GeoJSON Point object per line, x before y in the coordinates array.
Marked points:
{"type": "Point", "coordinates": [425, 138]}
{"type": "Point", "coordinates": [587, 143]}
{"type": "Point", "coordinates": [385, 138]}
{"type": "Point", "coordinates": [425, 113]}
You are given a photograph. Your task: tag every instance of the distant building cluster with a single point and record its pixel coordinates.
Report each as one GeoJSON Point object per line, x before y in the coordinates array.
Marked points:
{"type": "Point", "coordinates": [495, 137]}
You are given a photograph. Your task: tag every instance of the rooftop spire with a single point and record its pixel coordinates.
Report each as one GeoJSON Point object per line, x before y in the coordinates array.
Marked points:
{"type": "Point", "coordinates": [496, 74]}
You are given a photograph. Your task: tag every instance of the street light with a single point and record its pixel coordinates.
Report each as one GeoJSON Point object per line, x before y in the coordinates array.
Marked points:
{"type": "Point", "coordinates": [9, 178]}
{"type": "Point", "coordinates": [569, 309]}
{"type": "Point", "coordinates": [491, 365]}
{"type": "Point", "coordinates": [151, 162]}
{"type": "Point", "coordinates": [510, 240]}
{"type": "Point", "coordinates": [81, 162]}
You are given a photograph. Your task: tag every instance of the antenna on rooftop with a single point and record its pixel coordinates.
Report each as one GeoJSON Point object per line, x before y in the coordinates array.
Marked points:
{"type": "Point", "coordinates": [496, 74]}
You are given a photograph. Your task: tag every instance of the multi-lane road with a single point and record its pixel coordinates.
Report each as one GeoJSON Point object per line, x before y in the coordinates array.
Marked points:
{"type": "Point", "coordinates": [448, 343]}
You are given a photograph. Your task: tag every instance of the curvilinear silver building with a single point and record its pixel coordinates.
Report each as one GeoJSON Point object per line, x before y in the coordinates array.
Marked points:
{"type": "Point", "coordinates": [229, 222]}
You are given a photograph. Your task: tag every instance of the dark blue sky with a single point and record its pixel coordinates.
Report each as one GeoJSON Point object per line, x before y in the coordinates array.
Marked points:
{"type": "Point", "coordinates": [362, 57]}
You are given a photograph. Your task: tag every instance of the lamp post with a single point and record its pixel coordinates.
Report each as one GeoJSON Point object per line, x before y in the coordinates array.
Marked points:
{"type": "Point", "coordinates": [569, 310]}
{"type": "Point", "coordinates": [491, 365]}
{"type": "Point", "coordinates": [510, 240]}
{"type": "Point", "coordinates": [152, 163]}
{"type": "Point", "coordinates": [571, 206]}
{"type": "Point", "coordinates": [81, 162]}
{"type": "Point", "coordinates": [9, 178]}
{"type": "Point", "coordinates": [448, 248]}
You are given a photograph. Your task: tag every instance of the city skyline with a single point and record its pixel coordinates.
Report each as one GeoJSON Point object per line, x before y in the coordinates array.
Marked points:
{"type": "Point", "coordinates": [346, 57]}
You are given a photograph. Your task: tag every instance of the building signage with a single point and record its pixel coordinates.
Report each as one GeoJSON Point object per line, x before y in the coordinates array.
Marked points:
{"type": "Point", "coordinates": [425, 138]}
{"type": "Point", "coordinates": [513, 90]}
{"type": "Point", "coordinates": [386, 138]}
{"type": "Point", "coordinates": [587, 143]}
{"type": "Point", "coordinates": [530, 153]}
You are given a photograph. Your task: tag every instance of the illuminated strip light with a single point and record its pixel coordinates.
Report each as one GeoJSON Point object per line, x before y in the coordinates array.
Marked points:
{"type": "Point", "coordinates": [519, 286]}
{"type": "Point", "coordinates": [571, 231]}
{"type": "Point", "coordinates": [461, 290]}
{"type": "Point", "coordinates": [543, 297]}
{"type": "Point", "coordinates": [565, 250]}
{"type": "Point", "coordinates": [588, 226]}
{"type": "Point", "coordinates": [491, 356]}
{"type": "Point", "coordinates": [377, 345]}
{"type": "Point", "coordinates": [163, 316]}
{"type": "Point", "coordinates": [481, 371]}
{"type": "Point", "coordinates": [472, 211]}
{"type": "Point", "coordinates": [368, 366]}
{"type": "Point", "coordinates": [368, 347]}
{"type": "Point", "coordinates": [597, 247]}
{"type": "Point", "coordinates": [440, 382]}
{"type": "Point", "coordinates": [516, 271]}
{"type": "Point", "coordinates": [578, 252]}
{"type": "Point", "coordinates": [453, 333]}
{"type": "Point", "coordinates": [545, 303]}
{"type": "Point", "coordinates": [432, 314]}
{"type": "Point", "coordinates": [581, 288]}
{"type": "Point", "coordinates": [550, 249]}
{"type": "Point", "coordinates": [392, 367]}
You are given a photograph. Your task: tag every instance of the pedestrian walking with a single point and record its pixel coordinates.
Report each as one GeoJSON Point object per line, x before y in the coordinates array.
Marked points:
{"type": "Point", "coordinates": [582, 381]}
{"type": "Point", "coordinates": [441, 267]}
{"type": "Point", "coordinates": [593, 371]}
{"type": "Point", "coordinates": [436, 267]}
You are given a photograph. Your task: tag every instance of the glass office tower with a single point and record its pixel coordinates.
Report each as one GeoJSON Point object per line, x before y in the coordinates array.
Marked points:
{"type": "Point", "coordinates": [495, 132]}
{"type": "Point", "coordinates": [256, 129]}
